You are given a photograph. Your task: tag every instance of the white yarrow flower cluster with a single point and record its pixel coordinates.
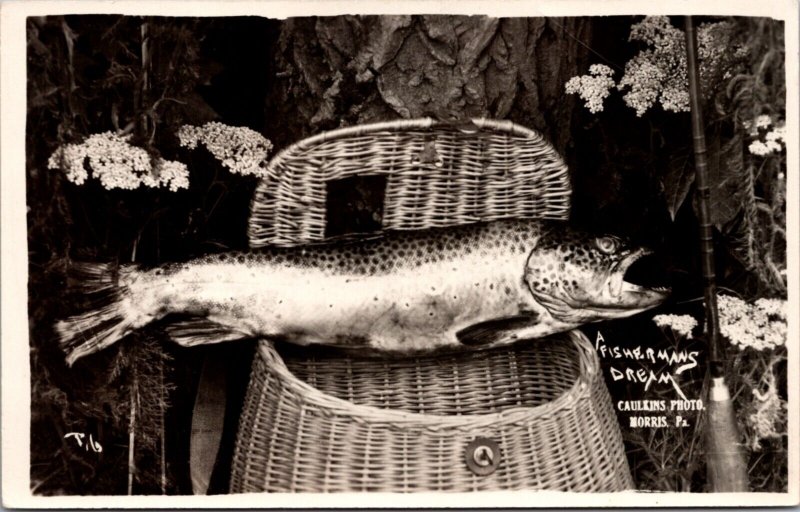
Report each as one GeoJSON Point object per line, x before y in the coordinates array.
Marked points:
{"type": "Point", "coordinates": [772, 307]}
{"type": "Point", "coordinates": [658, 73]}
{"type": "Point", "coordinates": [773, 140]}
{"type": "Point", "coordinates": [117, 164]}
{"type": "Point", "coordinates": [763, 121]}
{"type": "Point", "coordinates": [683, 325]}
{"type": "Point", "coordinates": [759, 326]}
{"type": "Point", "coordinates": [171, 173]}
{"type": "Point", "coordinates": [240, 149]}
{"type": "Point", "coordinates": [644, 80]}
{"type": "Point", "coordinates": [592, 88]}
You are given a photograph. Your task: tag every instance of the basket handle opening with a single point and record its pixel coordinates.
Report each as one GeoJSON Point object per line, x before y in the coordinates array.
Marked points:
{"type": "Point", "coordinates": [354, 204]}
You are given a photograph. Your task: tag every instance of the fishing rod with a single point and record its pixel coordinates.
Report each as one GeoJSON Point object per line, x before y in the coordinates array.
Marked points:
{"type": "Point", "coordinates": [726, 467]}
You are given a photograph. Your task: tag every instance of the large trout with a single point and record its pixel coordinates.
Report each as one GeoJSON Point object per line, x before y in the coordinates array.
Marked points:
{"type": "Point", "coordinates": [479, 285]}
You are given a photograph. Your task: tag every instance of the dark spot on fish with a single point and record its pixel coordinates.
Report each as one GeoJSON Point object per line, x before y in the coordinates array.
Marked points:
{"type": "Point", "coordinates": [491, 286]}
{"type": "Point", "coordinates": [158, 272]}
{"type": "Point", "coordinates": [545, 281]}
{"type": "Point", "coordinates": [240, 258]}
{"type": "Point", "coordinates": [507, 290]}
{"type": "Point", "coordinates": [375, 299]}
{"type": "Point", "coordinates": [395, 319]}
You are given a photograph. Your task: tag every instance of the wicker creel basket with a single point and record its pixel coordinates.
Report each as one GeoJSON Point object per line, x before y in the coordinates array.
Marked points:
{"type": "Point", "coordinates": [327, 423]}
{"type": "Point", "coordinates": [533, 416]}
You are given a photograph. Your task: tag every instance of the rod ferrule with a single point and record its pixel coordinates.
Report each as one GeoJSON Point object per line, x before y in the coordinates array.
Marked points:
{"type": "Point", "coordinates": [719, 390]}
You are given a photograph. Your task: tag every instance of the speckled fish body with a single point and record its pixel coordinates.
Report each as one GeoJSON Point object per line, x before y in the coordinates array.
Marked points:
{"type": "Point", "coordinates": [404, 293]}
{"type": "Point", "coordinates": [401, 293]}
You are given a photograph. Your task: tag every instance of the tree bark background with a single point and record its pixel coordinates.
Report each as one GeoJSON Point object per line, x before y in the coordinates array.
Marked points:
{"type": "Point", "coordinates": [346, 70]}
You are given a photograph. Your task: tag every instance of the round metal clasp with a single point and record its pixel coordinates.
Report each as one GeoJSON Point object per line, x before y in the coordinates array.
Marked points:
{"type": "Point", "coordinates": [482, 456]}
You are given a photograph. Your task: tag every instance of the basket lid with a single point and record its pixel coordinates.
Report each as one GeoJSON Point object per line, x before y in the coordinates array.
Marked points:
{"type": "Point", "coordinates": [437, 174]}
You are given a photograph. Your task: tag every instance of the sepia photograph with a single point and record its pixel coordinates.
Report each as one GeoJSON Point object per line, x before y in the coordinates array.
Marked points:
{"type": "Point", "coordinates": [352, 251]}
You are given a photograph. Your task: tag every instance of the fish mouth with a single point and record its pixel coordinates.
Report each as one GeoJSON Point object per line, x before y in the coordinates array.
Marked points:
{"type": "Point", "coordinates": [642, 274]}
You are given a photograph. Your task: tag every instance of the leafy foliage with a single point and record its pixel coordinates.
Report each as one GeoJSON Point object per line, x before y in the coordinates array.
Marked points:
{"type": "Point", "coordinates": [742, 79]}
{"type": "Point", "coordinates": [146, 77]}
{"type": "Point", "coordinates": [757, 237]}
{"type": "Point", "coordinates": [748, 194]}
{"type": "Point", "coordinates": [139, 78]}
{"type": "Point", "coordinates": [673, 459]}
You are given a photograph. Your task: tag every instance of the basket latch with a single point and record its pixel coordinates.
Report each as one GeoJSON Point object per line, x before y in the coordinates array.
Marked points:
{"type": "Point", "coordinates": [428, 154]}
{"type": "Point", "coordinates": [482, 456]}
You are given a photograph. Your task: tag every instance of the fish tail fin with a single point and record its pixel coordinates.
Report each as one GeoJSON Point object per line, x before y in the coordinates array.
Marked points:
{"type": "Point", "coordinates": [108, 316]}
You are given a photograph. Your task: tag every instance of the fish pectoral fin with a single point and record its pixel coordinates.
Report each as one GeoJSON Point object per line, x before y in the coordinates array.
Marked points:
{"type": "Point", "coordinates": [202, 331]}
{"type": "Point", "coordinates": [496, 331]}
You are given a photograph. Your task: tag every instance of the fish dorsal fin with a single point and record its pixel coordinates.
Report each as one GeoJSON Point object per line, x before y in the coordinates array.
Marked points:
{"type": "Point", "coordinates": [496, 331]}
{"type": "Point", "coordinates": [202, 331]}
{"type": "Point", "coordinates": [349, 238]}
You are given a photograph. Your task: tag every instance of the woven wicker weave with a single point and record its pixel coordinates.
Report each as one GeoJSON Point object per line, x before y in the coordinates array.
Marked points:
{"type": "Point", "coordinates": [438, 175]}
{"type": "Point", "coordinates": [328, 423]}
{"type": "Point", "coordinates": [318, 422]}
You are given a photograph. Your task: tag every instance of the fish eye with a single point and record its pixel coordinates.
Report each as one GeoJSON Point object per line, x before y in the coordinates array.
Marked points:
{"type": "Point", "coordinates": [607, 244]}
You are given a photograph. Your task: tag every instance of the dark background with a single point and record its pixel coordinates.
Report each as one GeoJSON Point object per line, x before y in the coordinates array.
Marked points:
{"type": "Point", "coordinates": [288, 80]}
